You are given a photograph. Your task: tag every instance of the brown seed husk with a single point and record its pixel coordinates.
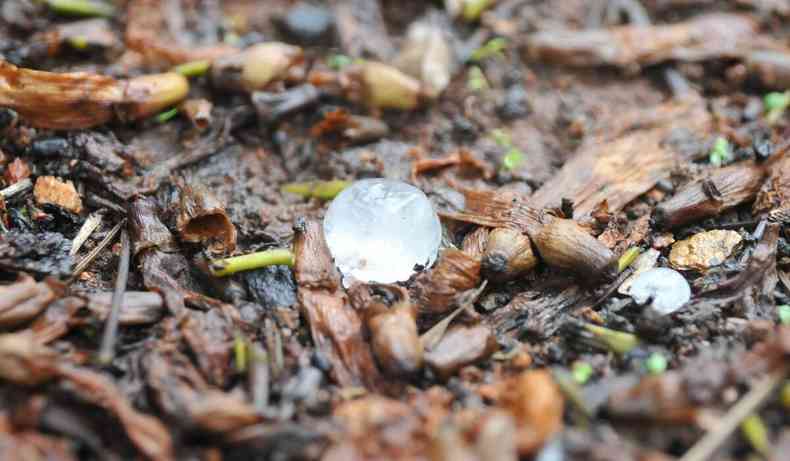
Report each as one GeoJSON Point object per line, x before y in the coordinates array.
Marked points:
{"type": "Point", "coordinates": [386, 87]}
{"type": "Point", "coordinates": [203, 219]}
{"type": "Point", "coordinates": [454, 273]}
{"type": "Point", "coordinates": [49, 189]}
{"type": "Point", "coordinates": [704, 250]}
{"type": "Point", "coordinates": [563, 243]}
{"type": "Point", "coordinates": [255, 67]}
{"type": "Point", "coordinates": [535, 401]}
{"type": "Point", "coordinates": [508, 255]}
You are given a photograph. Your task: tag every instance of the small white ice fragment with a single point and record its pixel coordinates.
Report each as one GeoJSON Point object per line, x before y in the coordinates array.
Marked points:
{"type": "Point", "coordinates": [666, 290]}
{"type": "Point", "coordinates": [378, 230]}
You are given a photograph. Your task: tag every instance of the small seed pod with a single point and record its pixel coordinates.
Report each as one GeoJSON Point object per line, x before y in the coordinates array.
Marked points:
{"type": "Point", "coordinates": [150, 94]}
{"type": "Point", "coordinates": [508, 255]}
{"type": "Point", "coordinates": [460, 346]}
{"type": "Point", "coordinates": [386, 87]}
{"type": "Point", "coordinates": [203, 219]}
{"type": "Point", "coordinates": [391, 319]}
{"type": "Point", "coordinates": [564, 244]}
{"type": "Point", "coordinates": [255, 67]}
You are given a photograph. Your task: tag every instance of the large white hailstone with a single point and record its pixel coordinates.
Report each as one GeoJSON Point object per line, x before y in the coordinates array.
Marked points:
{"type": "Point", "coordinates": [382, 230]}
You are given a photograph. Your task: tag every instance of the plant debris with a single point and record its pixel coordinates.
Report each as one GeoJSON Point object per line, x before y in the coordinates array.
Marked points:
{"type": "Point", "coordinates": [364, 229]}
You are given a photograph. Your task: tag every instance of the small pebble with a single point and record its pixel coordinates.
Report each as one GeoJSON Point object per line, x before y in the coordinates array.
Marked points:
{"type": "Point", "coordinates": [308, 23]}
{"type": "Point", "coordinates": [665, 289]}
{"type": "Point", "coordinates": [704, 250]}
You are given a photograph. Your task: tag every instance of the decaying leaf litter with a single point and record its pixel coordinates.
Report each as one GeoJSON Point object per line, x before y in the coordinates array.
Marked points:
{"type": "Point", "coordinates": [167, 291]}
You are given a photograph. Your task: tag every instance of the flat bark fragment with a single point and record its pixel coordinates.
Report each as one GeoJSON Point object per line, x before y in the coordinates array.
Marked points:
{"type": "Point", "coordinates": [722, 189]}
{"type": "Point", "coordinates": [23, 300]}
{"type": "Point", "coordinates": [334, 325]}
{"type": "Point", "coordinates": [619, 167]}
{"type": "Point", "coordinates": [709, 36]}
{"type": "Point", "coordinates": [361, 28]}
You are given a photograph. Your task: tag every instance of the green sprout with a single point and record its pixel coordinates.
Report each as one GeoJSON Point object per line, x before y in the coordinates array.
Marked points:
{"type": "Point", "coordinates": [755, 431]}
{"type": "Point", "coordinates": [339, 61]}
{"type": "Point", "coordinates": [474, 8]}
{"type": "Point", "coordinates": [324, 190]}
{"type": "Point", "coordinates": [656, 363]}
{"type": "Point", "coordinates": [616, 341]}
{"type": "Point", "coordinates": [193, 68]}
{"type": "Point", "coordinates": [582, 372]}
{"type": "Point", "coordinates": [85, 8]}
{"type": "Point", "coordinates": [240, 352]}
{"type": "Point", "coordinates": [500, 137]}
{"type": "Point", "coordinates": [493, 47]}
{"type": "Point", "coordinates": [167, 115]}
{"type": "Point", "coordinates": [627, 258]}
{"type": "Point", "coordinates": [784, 314]}
{"type": "Point", "coordinates": [476, 80]}
{"type": "Point", "coordinates": [229, 266]}
{"type": "Point", "coordinates": [512, 159]}
{"type": "Point", "coordinates": [721, 152]}
{"type": "Point", "coordinates": [78, 43]}
{"type": "Point", "coordinates": [775, 105]}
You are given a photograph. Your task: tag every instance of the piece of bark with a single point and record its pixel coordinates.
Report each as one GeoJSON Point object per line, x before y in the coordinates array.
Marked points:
{"type": "Point", "coordinates": [137, 308]}
{"type": "Point", "coordinates": [181, 392]}
{"type": "Point", "coordinates": [362, 31]}
{"type": "Point", "coordinates": [772, 68]}
{"type": "Point", "coordinates": [460, 346]}
{"type": "Point", "coordinates": [334, 325]}
{"type": "Point", "coordinates": [23, 300]}
{"type": "Point", "coordinates": [560, 242]}
{"type": "Point", "coordinates": [627, 162]}
{"type": "Point", "coordinates": [203, 219]}
{"type": "Point", "coordinates": [438, 288]}
{"type": "Point", "coordinates": [536, 313]}
{"type": "Point", "coordinates": [146, 34]}
{"type": "Point", "coordinates": [775, 191]}
{"type": "Point", "coordinates": [711, 36]}
{"type": "Point", "coordinates": [722, 189]}
{"type": "Point", "coordinates": [51, 190]}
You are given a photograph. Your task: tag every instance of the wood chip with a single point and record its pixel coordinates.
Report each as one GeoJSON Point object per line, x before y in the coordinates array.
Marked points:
{"type": "Point", "coordinates": [49, 189]}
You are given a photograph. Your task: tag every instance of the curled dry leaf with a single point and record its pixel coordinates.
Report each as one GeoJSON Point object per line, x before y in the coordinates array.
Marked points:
{"type": "Point", "coordinates": [203, 219]}
{"type": "Point", "coordinates": [16, 171]}
{"type": "Point", "coordinates": [704, 250]}
{"type": "Point", "coordinates": [51, 190]}
{"type": "Point", "coordinates": [80, 100]}
{"type": "Point", "coordinates": [454, 272]}
{"type": "Point", "coordinates": [474, 243]}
